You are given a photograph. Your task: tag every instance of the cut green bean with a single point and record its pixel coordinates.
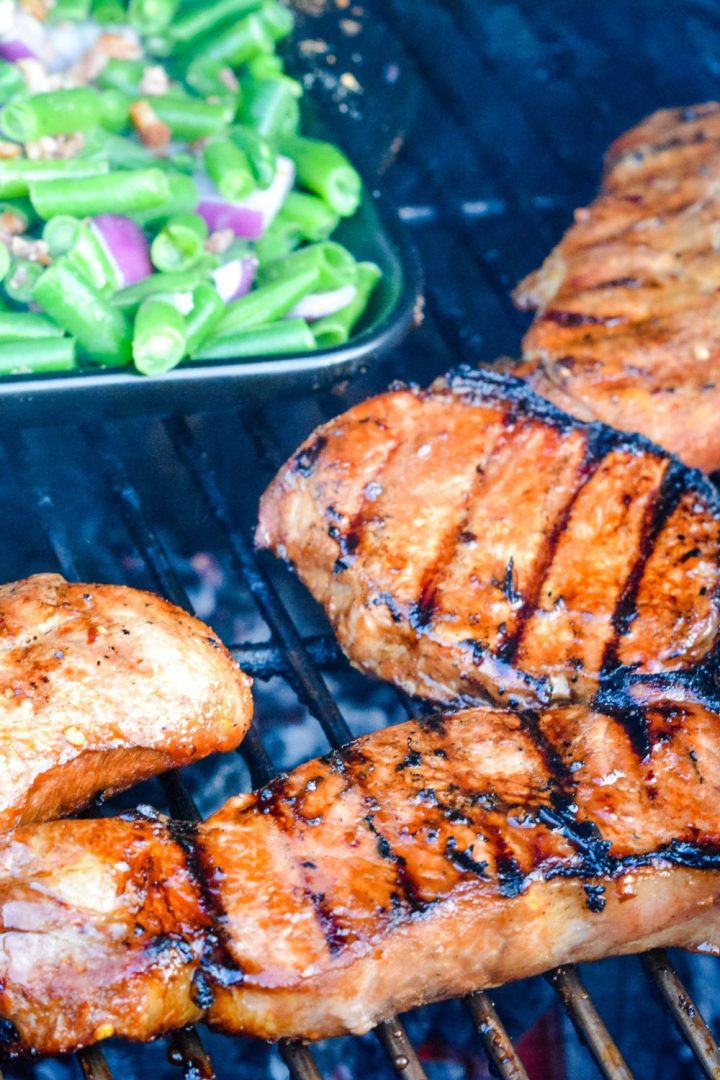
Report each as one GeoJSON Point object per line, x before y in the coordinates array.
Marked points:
{"type": "Point", "coordinates": [115, 110]}
{"type": "Point", "coordinates": [182, 199]}
{"type": "Point", "coordinates": [334, 264]}
{"type": "Point", "coordinates": [312, 216]}
{"type": "Point", "coordinates": [270, 106]}
{"type": "Point", "coordinates": [180, 282]}
{"type": "Point", "coordinates": [229, 168]}
{"type": "Point", "coordinates": [278, 240]}
{"type": "Point", "coordinates": [206, 313]}
{"type": "Point", "coordinates": [151, 16]}
{"type": "Point", "coordinates": [267, 303]}
{"type": "Point", "coordinates": [11, 81]}
{"type": "Point", "coordinates": [239, 42]}
{"type": "Point", "coordinates": [180, 243]}
{"type": "Point", "coordinates": [158, 337]}
{"type": "Point", "coordinates": [85, 251]}
{"type": "Point", "coordinates": [20, 279]}
{"type": "Point", "coordinates": [213, 78]}
{"type": "Point", "coordinates": [206, 18]}
{"type": "Point", "coordinates": [191, 119]}
{"type": "Point", "coordinates": [114, 193]}
{"type": "Point", "coordinates": [56, 113]}
{"type": "Point", "coordinates": [122, 75]}
{"type": "Point", "coordinates": [277, 19]}
{"type": "Point", "coordinates": [288, 337]}
{"type": "Point", "coordinates": [16, 215]}
{"type": "Point", "coordinates": [335, 329]}
{"type": "Point", "coordinates": [42, 356]}
{"type": "Point", "coordinates": [108, 12]}
{"type": "Point", "coordinates": [265, 65]}
{"type": "Point", "coordinates": [16, 325]}
{"type": "Point", "coordinates": [101, 330]}
{"type": "Point", "coordinates": [261, 155]}
{"type": "Point", "coordinates": [324, 170]}
{"type": "Point", "coordinates": [17, 175]}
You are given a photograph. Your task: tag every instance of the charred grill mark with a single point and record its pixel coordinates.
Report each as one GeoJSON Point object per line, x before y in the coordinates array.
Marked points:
{"type": "Point", "coordinates": [594, 454]}
{"type": "Point", "coordinates": [579, 318]}
{"type": "Point", "coordinates": [217, 966]}
{"type": "Point", "coordinates": [464, 861]}
{"type": "Point", "coordinates": [305, 461]}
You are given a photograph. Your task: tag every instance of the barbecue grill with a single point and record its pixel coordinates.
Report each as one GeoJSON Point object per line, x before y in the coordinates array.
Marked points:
{"type": "Point", "coordinates": [514, 104]}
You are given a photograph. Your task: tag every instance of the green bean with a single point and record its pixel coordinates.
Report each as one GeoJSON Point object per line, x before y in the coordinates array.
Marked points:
{"type": "Point", "coordinates": [20, 279]}
{"type": "Point", "coordinates": [229, 168]}
{"type": "Point", "coordinates": [180, 243]}
{"type": "Point", "coordinates": [205, 76]}
{"type": "Point", "coordinates": [182, 199]}
{"type": "Point", "coordinates": [277, 19]}
{"type": "Point", "coordinates": [260, 153]}
{"type": "Point", "coordinates": [114, 193]}
{"type": "Point", "coordinates": [267, 303]}
{"type": "Point", "coordinates": [279, 239]}
{"type": "Point", "coordinates": [206, 18]}
{"type": "Point", "coordinates": [289, 336]}
{"type": "Point", "coordinates": [115, 110]}
{"type": "Point", "coordinates": [151, 16]}
{"type": "Point", "coordinates": [17, 175]}
{"type": "Point", "coordinates": [270, 106]}
{"type": "Point", "coordinates": [336, 329]}
{"type": "Point", "coordinates": [122, 75]}
{"type": "Point", "coordinates": [108, 12]}
{"type": "Point", "coordinates": [207, 310]}
{"type": "Point", "coordinates": [314, 219]}
{"type": "Point", "coordinates": [158, 337]}
{"type": "Point", "coordinates": [324, 170]}
{"type": "Point", "coordinates": [15, 325]}
{"type": "Point", "coordinates": [11, 81]}
{"type": "Point", "coordinates": [55, 113]}
{"type": "Point", "coordinates": [18, 213]}
{"type": "Point", "coordinates": [239, 42]}
{"type": "Point", "coordinates": [179, 282]}
{"type": "Point", "coordinates": [37, 357]}
{"type": "Point", "coordinates": [265, 65]}
{"type": "Point", "coordinates": [85, 251]}
{"type": "Point", "coordinates": [101, 330]}
{"type": "Point", "coordinates": [334, 264]}
{"type": "Point", "coordinates": [72, 10]}
{"type": "Point", "coordinates": [190, 119]}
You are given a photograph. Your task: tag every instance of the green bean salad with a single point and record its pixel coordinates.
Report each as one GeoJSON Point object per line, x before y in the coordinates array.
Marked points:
{"type": "Point", "coordinates": [158, 201]}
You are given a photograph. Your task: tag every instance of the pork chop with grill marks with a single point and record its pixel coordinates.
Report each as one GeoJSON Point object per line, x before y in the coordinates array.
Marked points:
{"type": "Point", "coordinates": [102, 686]}
{"type": "Point", "coordinates": [471, 541]}
{"type": "Point", "coordinates": [628, 309]}
{"type": "Point", "coordinates": [419, 862]}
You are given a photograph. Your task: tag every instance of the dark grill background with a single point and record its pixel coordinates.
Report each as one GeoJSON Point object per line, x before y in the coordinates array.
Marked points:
{"type": "Point", "coordinates": [509, 107]}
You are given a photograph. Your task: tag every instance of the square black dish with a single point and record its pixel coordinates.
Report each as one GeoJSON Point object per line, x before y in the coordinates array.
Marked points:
{"type": "Point", "coordinates": [374, 233]}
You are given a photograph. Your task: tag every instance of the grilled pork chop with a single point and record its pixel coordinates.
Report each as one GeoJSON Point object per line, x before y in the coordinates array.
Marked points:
{"type": "Point", "coordinates": [471, 541]}
{"type": "Point", "coordinates": [419, 862]}
{"type": "Point", "coordinates": [100, 687]}
{"type": "Point", "coordinates": [628, 323]}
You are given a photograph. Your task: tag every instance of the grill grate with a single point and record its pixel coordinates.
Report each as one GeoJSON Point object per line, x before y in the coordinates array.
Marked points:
{"type": "Point", "coordinates": [520, 100]}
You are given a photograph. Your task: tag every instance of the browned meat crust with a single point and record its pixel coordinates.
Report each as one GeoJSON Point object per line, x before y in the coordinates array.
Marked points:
{"type": "Point", "coordinates": [102, 686]}
{"type": "Point", "coordinates": [471, 541]}
{"type": "Point", "coordinates": [419, 862]}
{"type": "Point", "coordinates": [628, 309]}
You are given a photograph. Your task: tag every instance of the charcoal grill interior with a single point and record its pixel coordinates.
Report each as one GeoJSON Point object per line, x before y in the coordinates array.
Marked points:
{"type": "Point", "coordinates": [506, 106]}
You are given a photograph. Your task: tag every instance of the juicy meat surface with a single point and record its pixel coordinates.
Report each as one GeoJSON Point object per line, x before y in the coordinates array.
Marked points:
{"type": "Point", "coordinates": [102, 686]}
{"type": "Point", "coordinates": [628, 309]}
{"type": "Point", "coordinates": [470, 541]}
{"type": "Point", "coordinates": [419, 862]}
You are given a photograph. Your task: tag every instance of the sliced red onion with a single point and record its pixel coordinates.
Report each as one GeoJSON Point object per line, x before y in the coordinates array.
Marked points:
{"type": "Point", "coordinates": [23, 38]}
{"type": "Point", "coordinates": [318, 305]}
{"type": "Point", "coordinates": [127, 246]}
{"type": "Point", "coordinates": [250, 217]}
{"type": "Point", "coordinates": [235, 278]}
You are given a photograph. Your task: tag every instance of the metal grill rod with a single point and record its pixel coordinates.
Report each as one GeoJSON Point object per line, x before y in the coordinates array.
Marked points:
{"type": "Point", "coordinates": [683, 1011]}
{"type": "Point", "coordinates": [306, 680]}
{"type": "Point", "coordinates": [498, 1045]}
{"type": "Point", "coordinates": [588, 1023]}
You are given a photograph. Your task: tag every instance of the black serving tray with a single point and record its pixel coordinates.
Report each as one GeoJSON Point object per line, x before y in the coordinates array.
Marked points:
{"type": "Point", "coordinates": [374, 233]}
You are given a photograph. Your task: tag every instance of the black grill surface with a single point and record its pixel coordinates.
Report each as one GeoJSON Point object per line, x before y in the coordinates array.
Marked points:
{"type": "Point", "coordinates": [494, 118]}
